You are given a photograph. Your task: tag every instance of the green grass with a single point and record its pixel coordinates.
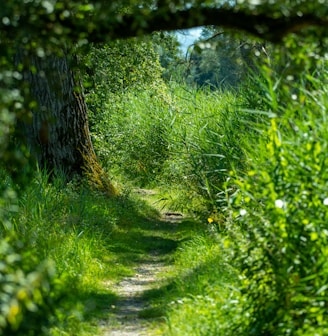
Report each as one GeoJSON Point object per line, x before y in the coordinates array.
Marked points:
{"type": "Point", "coordinates": [187, 140]}
{"type": "Point", "coordinates": [260, 177]}
{"type": "Point", "coordinates": [231, 161]}
{"type": "Point", "coordinates": [195, 295]}
{"type": "Point", "coordinates": [93, 241]}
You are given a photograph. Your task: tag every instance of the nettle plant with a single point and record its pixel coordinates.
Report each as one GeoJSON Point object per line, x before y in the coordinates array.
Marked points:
{"type": "Point", "coordinates": [282, 212]}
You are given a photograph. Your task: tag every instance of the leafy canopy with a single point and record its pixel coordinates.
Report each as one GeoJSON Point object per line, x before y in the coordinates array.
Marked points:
{"type": "Point", "coordinates": [98, 20]}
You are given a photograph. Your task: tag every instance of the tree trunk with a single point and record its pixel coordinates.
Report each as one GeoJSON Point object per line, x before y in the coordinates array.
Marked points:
{"type": "Point", "coordinates": [59, 134]}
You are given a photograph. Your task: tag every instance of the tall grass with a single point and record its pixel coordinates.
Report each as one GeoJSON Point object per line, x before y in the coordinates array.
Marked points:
{"type": "Point", "coordinates": [187, 140]}
{"type": "Point", "coordinates": [55, 245]}
{"type": "Point", "coordinates": [274, 214]}
{"type": "Point", "coordinates": [64, 248]}
{"type": "Point", "coordinates": [275, 226]}
{"type": "Point", "coordinates": [281, 211]}
{"type": "Point", "coordinates": [207, 142]}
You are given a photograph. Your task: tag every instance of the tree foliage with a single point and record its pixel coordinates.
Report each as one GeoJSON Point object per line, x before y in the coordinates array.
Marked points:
{"type": "Point", "coordinates": [216, 60]}
{"type": "Point", "coordinates": [98, 21]}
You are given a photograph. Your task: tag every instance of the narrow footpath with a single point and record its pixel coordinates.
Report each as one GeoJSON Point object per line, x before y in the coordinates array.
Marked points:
{"type": "Point", "coordinates": [131, 304]}
{"type": "Point", "coordinates": [126, 317]}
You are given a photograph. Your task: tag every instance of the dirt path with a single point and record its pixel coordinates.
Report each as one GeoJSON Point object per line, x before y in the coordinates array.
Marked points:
{"type": "Point", "coordinates": [130, 305]}
{"type": "Point", "coordinates": [124, 319]}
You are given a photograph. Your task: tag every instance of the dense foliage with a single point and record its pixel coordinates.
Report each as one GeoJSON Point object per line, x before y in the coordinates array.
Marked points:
{"type": "Point", "coordinates": [282, 212]}
{"type": "Point", "coordinates": [253, 162]}
{"type": "Point", "coordinates": [249, 163]}
{"type": "Point", "coordinates": [217, 60]}
{"type": "Point", "coordinates": [276, 211]}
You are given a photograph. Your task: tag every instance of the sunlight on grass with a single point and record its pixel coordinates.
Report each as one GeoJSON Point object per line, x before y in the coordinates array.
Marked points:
{"type": "Point", "coordinates": [245, 173]}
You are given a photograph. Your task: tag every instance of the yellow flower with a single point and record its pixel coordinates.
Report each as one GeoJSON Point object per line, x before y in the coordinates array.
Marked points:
{"type": "Point", "coordinates": [210, 220]}
{"type": "Point", "coordinates": [13, 312]}
{"type": "Point", "coordinates": [22, 294]}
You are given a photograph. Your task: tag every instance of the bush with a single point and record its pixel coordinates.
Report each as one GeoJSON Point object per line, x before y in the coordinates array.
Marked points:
{"type": "Point", "coordinates": [31, 293]}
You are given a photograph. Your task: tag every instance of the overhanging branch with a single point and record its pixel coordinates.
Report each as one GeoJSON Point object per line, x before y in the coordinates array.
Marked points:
{"type": "Point", "coordinates": [260, 25]}
{"type": "Point", "coordinates": [102, 28]}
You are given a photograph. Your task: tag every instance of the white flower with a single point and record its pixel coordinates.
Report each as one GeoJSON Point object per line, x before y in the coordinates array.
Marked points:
{"type": "Point", "coordinates": [325, 201]}
{"type": "Point", "coordinates": [242, 212]}
{"type": "Point", "coordinates": [279, 203]}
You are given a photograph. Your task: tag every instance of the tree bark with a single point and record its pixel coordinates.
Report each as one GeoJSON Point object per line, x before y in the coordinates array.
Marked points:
{"type": "Point", "coordinates": [58, 134]}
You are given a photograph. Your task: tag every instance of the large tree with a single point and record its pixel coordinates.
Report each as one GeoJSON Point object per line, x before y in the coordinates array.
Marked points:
{"type": "Point", "coordinates": [58, 135]}
{"type": "Point", "coordinates": [59, 132]}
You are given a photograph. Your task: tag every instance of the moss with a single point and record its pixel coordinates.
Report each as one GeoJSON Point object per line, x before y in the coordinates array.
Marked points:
{"type": "Point", "coordinates": [97, 176]}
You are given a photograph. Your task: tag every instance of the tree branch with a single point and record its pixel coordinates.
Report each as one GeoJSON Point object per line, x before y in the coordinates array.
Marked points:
{"type": "Point", "coordinates": [259, 25]}
{"type": "Point", "coordinates": [102, 27]}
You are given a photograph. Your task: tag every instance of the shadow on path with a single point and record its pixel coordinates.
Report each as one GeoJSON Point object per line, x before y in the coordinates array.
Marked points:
{"type": "Point", "coordinates": [138, 254]}
{"type": "Point", "coordinates": [151, 245]}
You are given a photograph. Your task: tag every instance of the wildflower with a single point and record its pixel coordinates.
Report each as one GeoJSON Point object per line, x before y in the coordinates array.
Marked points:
{"type": "Point", "coordinates": [13, 312]}
{"type": "Point", "coordinates": [279, 203]}
{"type": "Point", "coordinates": [242, 212]}
{"type": "Point", "coordinates": [314, 236]}
{"type": "Point", "coordinates": [210, 220]}
{"type": "Point", "coordinates": [325, 201]}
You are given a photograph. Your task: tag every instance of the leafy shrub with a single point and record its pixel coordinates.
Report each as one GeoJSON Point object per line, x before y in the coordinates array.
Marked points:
{"type": "Point", "coordinates": [132, 138]}
{"type": "Point", "coordinates": [128, 108]}
{"type": "Point", "coordinates": [30, 292]}
{"type": "Point", "coordinates": [117, 68]}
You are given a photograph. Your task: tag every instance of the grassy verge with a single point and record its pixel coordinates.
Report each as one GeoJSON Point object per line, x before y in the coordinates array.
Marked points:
{"type": "Point", "coordinates": [91, 242]}
{"type": "Point", "coordinates": [196, 296]}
